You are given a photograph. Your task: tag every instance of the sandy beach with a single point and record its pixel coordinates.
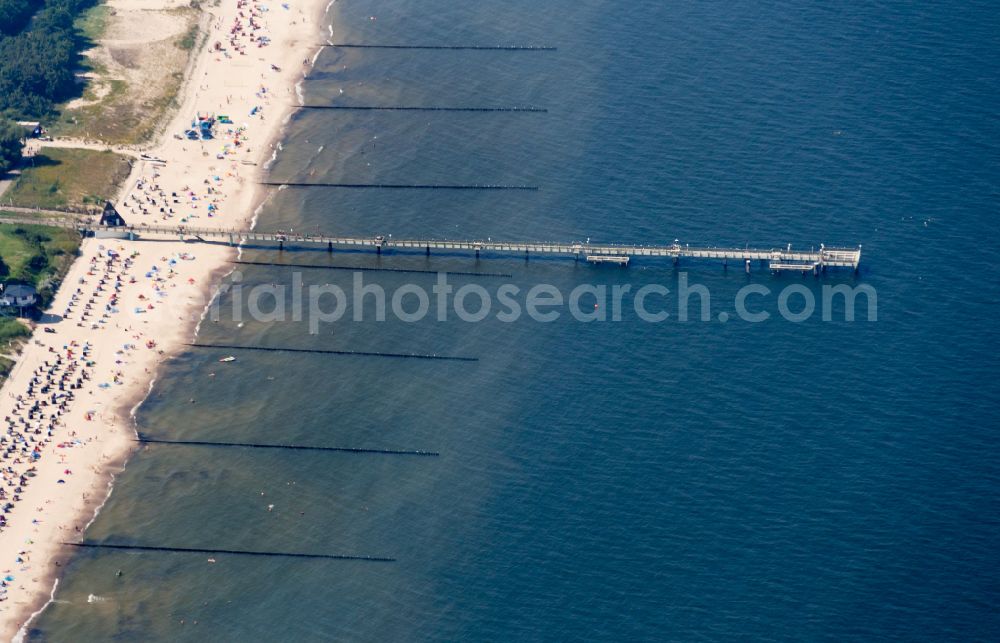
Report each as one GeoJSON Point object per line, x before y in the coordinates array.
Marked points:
{"type": "Point", "coordinates": [126, 306]}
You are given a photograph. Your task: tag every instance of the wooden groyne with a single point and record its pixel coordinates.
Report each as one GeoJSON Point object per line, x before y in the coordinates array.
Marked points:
{"type": "Point", "coordinates": [414, 108]}
{"type": "Point", "coordinates": [345, 45]}
{"type": "Point", "coordinates": [401, 186]}
{"type": "Point", "coordinates": [234, 552]}
{"type": "Point", "coordinates": [291, 447]}
{"type": "Point", "coordinates": [324, 351]}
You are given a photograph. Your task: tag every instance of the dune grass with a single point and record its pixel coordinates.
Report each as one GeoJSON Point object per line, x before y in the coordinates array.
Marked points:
{"type": "Point", "coordinates": [69, 179]}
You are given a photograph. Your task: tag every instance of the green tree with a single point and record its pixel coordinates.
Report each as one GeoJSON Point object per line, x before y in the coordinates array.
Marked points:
{"type": "Point", "coordinates": [11, 144]}
{"type": "Point", "coordinates": [14, 14]}
{"type": "Point", "coordinates": [38, 262]}
{"type": "Point", "coordinates": [38, 56]}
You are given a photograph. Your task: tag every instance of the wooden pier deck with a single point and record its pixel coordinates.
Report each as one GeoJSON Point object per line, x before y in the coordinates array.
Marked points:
{"type": "Point", "coordinates": [778, 259]}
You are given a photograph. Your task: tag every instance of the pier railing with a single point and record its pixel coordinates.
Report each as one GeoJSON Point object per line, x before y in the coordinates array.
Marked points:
{"type": "Point", "coordinates": [778, 259]}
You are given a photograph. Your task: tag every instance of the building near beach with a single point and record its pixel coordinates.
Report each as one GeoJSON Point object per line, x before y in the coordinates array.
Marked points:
{"type": "Point", "coordinates": [18, 295]}
{"type": "Point", "coordinates": [33, 129]}
{"type": "Point", "coordinates": [112, 219]}
{"type": "Point", "coordinates": [111, 216]}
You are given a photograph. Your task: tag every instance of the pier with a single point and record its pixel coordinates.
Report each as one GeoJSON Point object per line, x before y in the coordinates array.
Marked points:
{"type": "Point", "coordinates": [777, 259]}
{"type": "Point", "coordinates": [619, 260]}
{"type": "Point", "coordinates": [417, 271]}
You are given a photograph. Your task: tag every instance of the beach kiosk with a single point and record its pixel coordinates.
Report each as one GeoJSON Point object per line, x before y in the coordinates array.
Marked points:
{"type": "Point", "coordinates": [112, 219]}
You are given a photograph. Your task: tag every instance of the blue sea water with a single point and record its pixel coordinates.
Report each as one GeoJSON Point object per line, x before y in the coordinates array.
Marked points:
{"type": "Point", "coordinates": [617, 480]}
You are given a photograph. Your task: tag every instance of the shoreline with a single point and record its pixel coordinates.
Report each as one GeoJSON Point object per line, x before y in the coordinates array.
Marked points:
{"type": "Point", "coordinates": [106, 451]}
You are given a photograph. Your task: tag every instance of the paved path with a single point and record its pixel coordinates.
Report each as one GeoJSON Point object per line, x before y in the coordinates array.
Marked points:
{"type": "Point", "coordinates": [35, 145]}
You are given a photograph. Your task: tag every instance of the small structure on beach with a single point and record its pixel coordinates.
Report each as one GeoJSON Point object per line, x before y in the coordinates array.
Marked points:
{"type": "Point", "coordinates": [112, 219]}
{"type": "Point", "coordinates": [111, 216]}
{"type": "Point", "coordinates": [20, 295]}
{"type": "Point", "coordinates": [33, 129]}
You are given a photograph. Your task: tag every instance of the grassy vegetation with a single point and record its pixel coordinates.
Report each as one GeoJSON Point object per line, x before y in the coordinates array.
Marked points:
{"type": "Point", "coordinates": [190, 38]}
{"type": "Point", "coordinates": [6, 366]}
{"type": "Point", "coordinates": [38, 255]}
{"type": "Point", "coordinates": [22, 245]}
{"type": "Point", "coordinates": [12, 333]}
{"type": "Point", "coordinates": [115, 118]}
{"type": "Point", "coordinates": [92, 22]}
{"type": "Point", "coordinates": [69, 179]}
